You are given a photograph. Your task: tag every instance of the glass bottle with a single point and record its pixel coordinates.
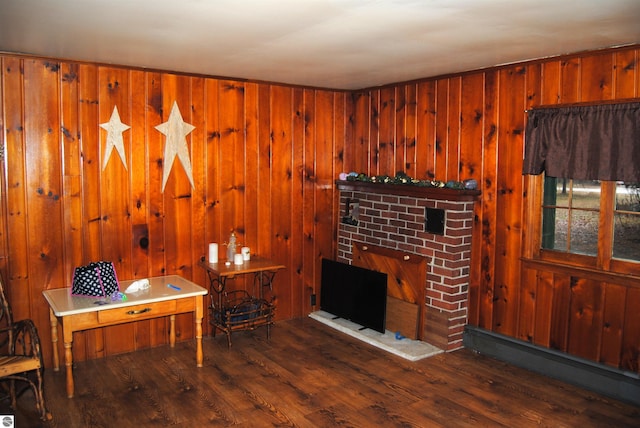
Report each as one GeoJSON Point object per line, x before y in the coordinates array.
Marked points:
{"type": "Point", "coordinates": [231, 247]}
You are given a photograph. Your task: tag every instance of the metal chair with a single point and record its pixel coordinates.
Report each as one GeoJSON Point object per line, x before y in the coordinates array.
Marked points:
{"type": "Point", "coordinates": [21, 364]}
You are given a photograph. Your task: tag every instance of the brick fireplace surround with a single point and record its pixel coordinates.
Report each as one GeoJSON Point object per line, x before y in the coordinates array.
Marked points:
{"type": "Point", "coordinates": [393, 216]}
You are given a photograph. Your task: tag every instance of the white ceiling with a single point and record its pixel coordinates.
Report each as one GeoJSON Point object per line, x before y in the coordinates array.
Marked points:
{"type": "Point", "coordinates": [338, 44]}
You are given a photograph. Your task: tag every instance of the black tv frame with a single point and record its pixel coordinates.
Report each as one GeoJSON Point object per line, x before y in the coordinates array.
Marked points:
{"type": "Point", "coordinates": [354, 293]}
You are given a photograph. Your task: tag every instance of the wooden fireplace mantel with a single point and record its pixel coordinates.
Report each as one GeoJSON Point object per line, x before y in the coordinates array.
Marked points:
{"type": "Point", "coordinates": [439, 193]}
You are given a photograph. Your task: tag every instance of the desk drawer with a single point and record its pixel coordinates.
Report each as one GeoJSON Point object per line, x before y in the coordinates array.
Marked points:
{"type": "Point", "coordinates": [132, 313]}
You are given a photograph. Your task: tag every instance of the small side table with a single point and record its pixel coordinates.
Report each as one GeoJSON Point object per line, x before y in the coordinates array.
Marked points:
{"type": "Point", "coordinates": [264, 271]}
{"type": "Point", "coordinates": [239, 310]}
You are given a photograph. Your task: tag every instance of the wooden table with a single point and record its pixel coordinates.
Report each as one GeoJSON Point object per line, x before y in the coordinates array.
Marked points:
{"type": "Point", "coordinates": [166, 296]}
{"type": "Point", "coordinates": [263, 269]}
{"type": "Point", "coordinates": [259, 312]}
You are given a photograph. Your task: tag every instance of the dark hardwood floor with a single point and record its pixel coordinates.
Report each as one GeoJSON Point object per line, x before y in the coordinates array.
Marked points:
{"type": "Point", "coordinates": [308, 375]}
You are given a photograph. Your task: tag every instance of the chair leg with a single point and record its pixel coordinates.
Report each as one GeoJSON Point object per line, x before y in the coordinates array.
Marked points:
{"type": "Point", "coordinates": [38, 391]}
{"type": "Point", "coordinates": [37, 386]}
{"type": "Point", "coordinates": [12, 394]}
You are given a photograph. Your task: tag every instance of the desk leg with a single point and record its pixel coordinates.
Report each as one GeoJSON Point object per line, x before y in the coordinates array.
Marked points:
{"type": "Point", "coordinates": [263, 279]}
{"type": "Point", "coordinates": [172, 331]}
{"type": "Point", "coordinates": [67, 337]}
{"type": "Point", "coordinates": [54, 340]}
{"type": "Point", "coordinates": [198, 316]}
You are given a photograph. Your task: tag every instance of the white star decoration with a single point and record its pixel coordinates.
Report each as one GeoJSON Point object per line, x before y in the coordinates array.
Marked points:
{"type": "Point", "coordinates": [114, 128]}
{"type": "Point", "coordinates": [176, 130]}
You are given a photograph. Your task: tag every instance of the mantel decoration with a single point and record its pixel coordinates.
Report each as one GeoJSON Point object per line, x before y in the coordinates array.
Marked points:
{"type": "Point", "coordinates": [403, 179]}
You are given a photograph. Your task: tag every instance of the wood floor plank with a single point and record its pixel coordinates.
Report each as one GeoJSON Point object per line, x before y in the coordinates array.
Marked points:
{"type": "Point", "coordinates": [309, 375]}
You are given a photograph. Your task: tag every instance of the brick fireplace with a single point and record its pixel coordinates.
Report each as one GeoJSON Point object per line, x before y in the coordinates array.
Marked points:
{"type": "Point", "coordinates": [435, 223]}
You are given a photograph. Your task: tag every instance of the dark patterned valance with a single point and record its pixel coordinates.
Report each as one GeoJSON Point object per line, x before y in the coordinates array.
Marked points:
{"type": "Point", "coordinates": [595, 142]}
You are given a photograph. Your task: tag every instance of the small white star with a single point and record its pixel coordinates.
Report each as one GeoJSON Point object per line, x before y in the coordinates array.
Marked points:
{"type": "Point", "coordinates": [176, 131]}
{"type": "Point", "coordinates": [114, 129]}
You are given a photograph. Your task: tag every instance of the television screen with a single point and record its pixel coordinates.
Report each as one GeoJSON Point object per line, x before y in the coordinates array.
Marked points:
{"type": "Point", "coordinates": [354, 293]}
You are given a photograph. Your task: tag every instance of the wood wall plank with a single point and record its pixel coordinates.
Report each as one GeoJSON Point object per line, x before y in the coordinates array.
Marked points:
{"type": "Point", "coordinates": [213, 215]}
{"type": "Point", "coordinates": [550, 84]}
{"type": "Point", "coordinates": [252, 162]}
{"type": "Point", "coordinates": [425, 131]}
{"type": "Point", "coordinates": [543, 309]}
{"type": "Point", "coordinates": [14, 162]}
{"type": "Point", "coordinates": [265, 182]}
{"type": "Point", "coordinates": [454, 123]}
{"type": "Point", "coordinates": [441, 128]}
{"type": "Point", "coordinates": [472, 125]}
{"type": "Point", "coordinates": [570, 80]}
{"type": "Point", "coordinates": [357, 156]}
{"type": "Point", "coordinates": [3, 192]}
{"type": "Point", "coordinates": [115, 194]}
{"type": "Point", "coordinates": [300, 119]}
{"type": "Point", "coordinates": [281, 202]}
{"type": "Point", "coordinates": [585, 321]}
{"type": "Point", "coordinates": [326, 193]}
{"type": "Point", "coordinates": [560, 313]}
{"type": "Point", "coordinates": [626, 66]}
{"type": "Point", "coordinates": [612, 324]}
{"type": "Point", "coordinates": [72, 166]}
{"type": "Point", "coordinates": [135, 139]}
{"type": "Point", "coordinates": [630, 356]}
{"type": "Point", "coordinates": [232, 169]}
{"type": "Point", "coordinates": [310, 175]}
{"type": "Point", "coordinates": [509, 203]}
{"type": "Point", "coordinates": [373, 161]}
{"type": "Point", "coordinates": [386, 131]}
{"type": "Point", "coordinates": [328, 165]}
{"type": "Point", "coordinates": [407, 163]}
{"type": "Point", "coordinates": [155, 115]}
{"type": "Point", "coordinates": [485, 229]}
{"type": "Point", "coordinates": [596, 77]}
{"type": "Point", "coordinates": [43, 179]}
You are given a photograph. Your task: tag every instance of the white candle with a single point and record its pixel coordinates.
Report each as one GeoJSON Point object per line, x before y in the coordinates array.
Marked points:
{"type": "Point", "coordinates": [237, 259]}
{"type": "Point", "coordinates": [246, 253]}
{"type": "Point", "coordinates": [213, 253]}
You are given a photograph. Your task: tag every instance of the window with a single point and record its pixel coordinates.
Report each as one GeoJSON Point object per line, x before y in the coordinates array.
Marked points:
{"type": "Point", "coordinates": [598, 221]}
{"type": "Point", "coordinates": [626, 222]}
{"type": "Point", "coordinates": [589, 216]}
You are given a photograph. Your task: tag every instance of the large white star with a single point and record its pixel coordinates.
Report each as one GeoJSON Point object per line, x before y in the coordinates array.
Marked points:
{"type": "Point", "coordinates": [114, 128]}
{"type": "Point", "coordinates": [176, 131]}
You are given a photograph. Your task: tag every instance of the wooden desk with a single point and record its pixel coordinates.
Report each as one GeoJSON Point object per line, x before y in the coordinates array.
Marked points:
{"type": "Point", "coordinates": [77, 313]}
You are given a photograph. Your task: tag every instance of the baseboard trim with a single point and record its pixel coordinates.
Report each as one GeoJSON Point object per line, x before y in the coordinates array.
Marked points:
{"type": "Point", "coordinates": [618, 384]}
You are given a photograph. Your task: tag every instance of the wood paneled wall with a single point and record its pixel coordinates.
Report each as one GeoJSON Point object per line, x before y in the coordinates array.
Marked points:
{"type": "Point", "coordinates": [472, 126]}
{"type": "Point", "coordinates": [264, 159]}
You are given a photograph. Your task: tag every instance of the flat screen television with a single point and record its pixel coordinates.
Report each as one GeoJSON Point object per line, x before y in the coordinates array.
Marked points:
{"type": "Point", "coordinates": [354, 293]}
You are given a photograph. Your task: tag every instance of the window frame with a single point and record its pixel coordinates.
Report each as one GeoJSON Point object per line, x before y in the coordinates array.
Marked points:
{"type": "Point", "coordinates": [602, 262]}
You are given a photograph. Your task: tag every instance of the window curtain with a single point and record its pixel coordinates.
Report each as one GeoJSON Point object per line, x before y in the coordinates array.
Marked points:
{"type": "Point", "coordinates": [595, 142]}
